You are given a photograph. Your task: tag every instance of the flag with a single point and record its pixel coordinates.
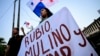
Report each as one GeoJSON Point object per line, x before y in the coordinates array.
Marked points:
{"type": "Point", "coordinates": [49, 3]}
{"type": "Point", "coordinates": [26, 23]}
{"type": "Point", "coordinates": [37, 5]}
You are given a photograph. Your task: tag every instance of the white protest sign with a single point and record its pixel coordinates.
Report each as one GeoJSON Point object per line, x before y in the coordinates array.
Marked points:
{"type": "Point", "coordinates": [57, 36]}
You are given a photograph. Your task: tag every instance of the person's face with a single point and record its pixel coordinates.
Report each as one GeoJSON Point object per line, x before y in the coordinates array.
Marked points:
{"type": "Point", "coordinates": [15, 31]}
{"type": "Point", "coordinates": [43, 12]}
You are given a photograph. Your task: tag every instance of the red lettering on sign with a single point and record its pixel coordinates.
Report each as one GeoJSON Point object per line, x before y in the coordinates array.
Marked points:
{"type": "Point", "coordinates": [55, 54]}
{"type": "Point", "coordinates": [56, 36]}
{"type": "Point", "coordinates": [50, 42]}
{"type": "Point", "coordinates": [47, 26]}
{"type": "Point", "coordinates": [44, 51]}
{"type": "Point", "coordinates": [91, 54]}
{"type": "Point", "coordinates": [26, 41]}
{"type": "Point", "coordinates": [64, 53]}
{"type": "Point", "coordinates": [84, 41]}
{"type": "Point", "coordinates": [32, 37]}
{"type": "Point", "coordinates": [55, 39]}
{"type": "Point", "coordinates": [38, 50]}
{"type": "Point", "coordinates": [27, 53]}
{"type": "Point", "coordinates": [42, 29]}
{"type": "Point", "coordinates": [62, 50]}
{"type": "Point", "coordinates": [63, 26]}
{"type": "Point", "coordinates": [49, 54]}
{"type": "Point", "coordinates": [38, 33]}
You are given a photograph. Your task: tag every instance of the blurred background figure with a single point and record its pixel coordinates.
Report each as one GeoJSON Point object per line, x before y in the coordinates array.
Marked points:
{"type": "Point", "coordinates": [13, 44]}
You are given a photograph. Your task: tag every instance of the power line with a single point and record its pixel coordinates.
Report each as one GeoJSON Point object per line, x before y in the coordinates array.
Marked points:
{"type": "Point", "coordinates": [28, 14]}
{"type": "Point", "coordinates": [6, 11]}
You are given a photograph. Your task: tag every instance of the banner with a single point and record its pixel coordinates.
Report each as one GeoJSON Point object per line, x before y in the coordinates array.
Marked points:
{"type": "Point", "coordinates": [37, 5]}
{"type": "Point", "coordinates": [59, 35]}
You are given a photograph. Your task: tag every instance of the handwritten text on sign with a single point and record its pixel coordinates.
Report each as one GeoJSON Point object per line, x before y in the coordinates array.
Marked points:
{"type": "Point", "coordinates": [57, 38]}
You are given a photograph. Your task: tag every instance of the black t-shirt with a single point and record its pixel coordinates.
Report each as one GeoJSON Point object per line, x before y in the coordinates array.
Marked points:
{"type": "Point", "coordinates": [14, 44]}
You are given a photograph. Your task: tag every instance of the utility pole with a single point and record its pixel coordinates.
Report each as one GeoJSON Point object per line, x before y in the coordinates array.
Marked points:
{"type": "Point", "coordinates": [14, 16]}
{"type": "Point", "coordinates": [18, 20]}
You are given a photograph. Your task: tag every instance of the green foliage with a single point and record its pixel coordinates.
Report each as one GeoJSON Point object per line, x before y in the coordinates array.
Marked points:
{"type": "Point", "coordinates": [2, 41]}
{"type": "Point", "coordinates": [2, 50]}
{"type": "Point", "coordinates": [2, 46]}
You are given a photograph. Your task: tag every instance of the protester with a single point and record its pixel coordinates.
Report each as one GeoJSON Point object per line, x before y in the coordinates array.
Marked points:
{"type": "Point", "coordinates": [14, 44]}
{"type": "Point", "coordinates": [45, 13]}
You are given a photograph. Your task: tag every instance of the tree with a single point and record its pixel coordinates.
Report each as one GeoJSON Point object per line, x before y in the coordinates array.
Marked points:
{"type": "Point", "coordinates": [2, 46]}
{"type": "Point", "coordinates": [2, 41]}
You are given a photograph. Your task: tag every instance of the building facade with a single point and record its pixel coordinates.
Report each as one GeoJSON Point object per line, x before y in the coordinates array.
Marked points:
{"type": "Point", "coordinates": [92, 33]}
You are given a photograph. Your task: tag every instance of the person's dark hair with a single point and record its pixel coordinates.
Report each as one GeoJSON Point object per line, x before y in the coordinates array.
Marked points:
{"type": "Point", "coordinates": [49, 13]}
{"type": "Point", "coordinates": [16, 29]}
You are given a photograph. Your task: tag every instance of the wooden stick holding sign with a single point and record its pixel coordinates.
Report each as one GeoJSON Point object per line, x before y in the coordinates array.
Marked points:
{"type": "Point", "coordinates": [22, 29]}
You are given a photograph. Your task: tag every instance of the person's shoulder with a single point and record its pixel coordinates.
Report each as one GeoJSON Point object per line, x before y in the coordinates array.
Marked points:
{"type": "Point", "coordinates": [10, 38]}
{"type": "Point", "coordinates": [10, 41]}
{"type": "Point", "coordinates": [21, 35]}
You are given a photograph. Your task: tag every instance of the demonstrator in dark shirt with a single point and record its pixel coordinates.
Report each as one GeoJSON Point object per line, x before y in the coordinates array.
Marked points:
{"type": "Point", "coordinates": [14, 43]}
